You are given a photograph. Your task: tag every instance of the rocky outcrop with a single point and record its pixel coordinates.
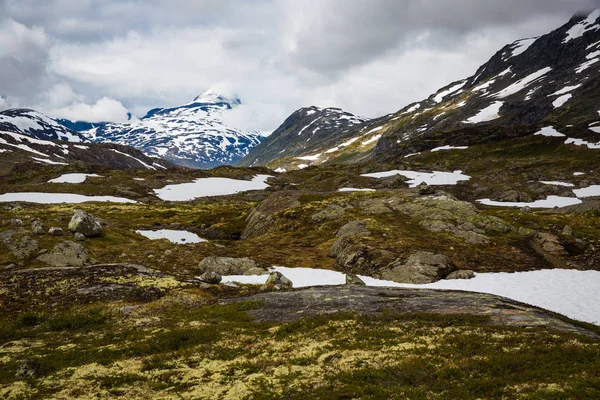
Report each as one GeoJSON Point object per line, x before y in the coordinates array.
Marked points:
{"type": "Point", "coordinates": [67, 254]}
{"type": "Point", "coordinates": [352, 279]}
{"type": "Point", "coordinates": [422, 267]}
{"type": "Point", "coordinates": [22, 247]}
{"type": "Point", "coordinates": [86, 224]}
{"type": "Point", "coordinates": [461, 274]}
{"type": "Point", "coordinates": [278, 280]}
{"type": "Point", "coordinates": [211, 277]}
{"type": "Point", "coordinates": [230, 266]}
{"type": "Point", "coordinates": [447, 214]}
{"type": "Point", "coordinates": [262, 217]}
{"type": "Point", "coordinates": [351, 229]}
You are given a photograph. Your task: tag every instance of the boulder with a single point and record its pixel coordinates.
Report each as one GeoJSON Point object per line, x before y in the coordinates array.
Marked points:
{"type": "Point", "coordinates": [514, 196]}
{"type": "Point", "coordinates": [551, 243]}
{"type": "Point", "coordinates": [352, 279]}
{"type": "Point", "coordinates": [567, 231]}
{"type": "Point", "coordinates": [277, 279]}
{"type": "Point", "coordinates": [19, 247]}
{"type": "Point", "coordinates": [16, 222]}
{"type": "Point", "coordinates": [66, 254]}
{"type": "Point", "coordinates": [230, 266]}
{"type": "Point", "coordinates": [37, 228]}
{"type": "Point", "coordinates": [263, 217]}
{"type": "Point", "coordinates": [86, 224]}
{"type": "Point", "coordinates": [461, 274]}
{"type": "Point", "coordinates": [80, 237]}
{"type": "Point", "coordinates": [211, 277]}
{"type": "Point", "coordinates": [421, 267]}
{"type": "Point", "coordinates": [54, 231]}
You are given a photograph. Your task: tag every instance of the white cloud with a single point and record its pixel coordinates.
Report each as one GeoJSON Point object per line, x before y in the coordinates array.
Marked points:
{"type": "Point", "coordinates": [104, 109]}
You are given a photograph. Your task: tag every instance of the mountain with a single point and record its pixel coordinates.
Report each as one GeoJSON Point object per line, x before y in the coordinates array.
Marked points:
{"type": "Point", "coordinates": [22, 149]}
{"type": "Point", "coordinates": [307, 130]}
{"type": "Point", "coordinates": [534, 83]}
{"type": "Point", "coordinates": [37, 125]}
{"type": "Point", "coordinates": [193, 134]}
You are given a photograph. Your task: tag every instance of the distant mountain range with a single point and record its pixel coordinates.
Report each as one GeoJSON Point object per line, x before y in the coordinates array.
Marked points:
{"type": "Point", "coordinates": [534, 83]}
{"type": "Point", "coordinates": [193, 135]}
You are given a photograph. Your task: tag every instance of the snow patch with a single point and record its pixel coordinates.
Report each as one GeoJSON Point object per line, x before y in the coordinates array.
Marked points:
{"type": "Point", "coordinates": [430, 178]}
{"type": "Point", "coordinates": [204, 187]}
{"type": "Point", "coordinates": [448, 147]}
{"type": "Point", "coordinates": [550, 132]}
{"type": "Point", "coordinates": [522, 83]}
{"type": "Point", "coordinates": [489, 113]}
{"type": "Point", "coordinates": [73, 178]}
{"type": "Point", "coordinates": [564, 90]}
{"type": "Point", "coordinates": [178, 237]}
{"type": "Point", "coordinates": [57, 198]}
{"type": "Point", "coordinates": [579, 29]}
{"type": "Point", "coordinates": [561, 100]}
{"type": "Point", "coordinates": [549, 202]}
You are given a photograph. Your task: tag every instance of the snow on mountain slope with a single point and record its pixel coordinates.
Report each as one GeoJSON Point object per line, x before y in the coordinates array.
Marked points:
{"type": "Point", "coordinates": [193, 134]}
{"type": "Point", "coordinates": [37, 125]}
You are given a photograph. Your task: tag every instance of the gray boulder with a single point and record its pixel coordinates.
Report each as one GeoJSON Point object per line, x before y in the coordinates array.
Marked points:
{"type": "Point", "coordinates": [461, 274]}
{"type": "Point", "coordinates": [351, 229]}
{"type": "Point", "coordinates": [86, 224]}
{"type": "Point", "coordinates": [230, 266]}
{"type": "Point", "coordinates": [277, 279]}
{"type": "Point", "coordinates": [352, 279]}
{"type": "Point", "coordinates": [37, 228]}
{"type": "Point", "coordinates": [422, 267]}
{"type": "Point", "coordinates": [80, 237]}
{"type": "Point", "coordinates": [16, 222]}
{"type": "Point", "coordinates": [211, 277]}
{"type": "Point", "coordinates": [54, 231]}
{"type": "Point", "coordinates": [19, 247]}
{"type": "Point", "coordinates": [67, 254]}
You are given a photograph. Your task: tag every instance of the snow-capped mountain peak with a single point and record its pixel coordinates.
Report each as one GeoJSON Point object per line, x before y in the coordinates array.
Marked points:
{"type": "Point", "coordinates": [193, 134]}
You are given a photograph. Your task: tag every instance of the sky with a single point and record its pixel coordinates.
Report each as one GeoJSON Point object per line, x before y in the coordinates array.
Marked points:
{"type": "Point", "coordinates": [95, 60]}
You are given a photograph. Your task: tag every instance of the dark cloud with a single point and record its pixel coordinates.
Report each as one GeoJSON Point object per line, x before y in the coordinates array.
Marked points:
{"type": "Point", "coordinates": [370, 56]}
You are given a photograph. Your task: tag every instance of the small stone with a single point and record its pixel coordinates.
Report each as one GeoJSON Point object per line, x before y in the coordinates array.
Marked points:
{"type": "Point", "coordinates": [567, 231]}
{"type": "Point", "coordinates": [168, 252]}
{"type": "Point", "coordinates": [80, 237]}
{"type": "Point", "coordinates": [278, 279]}
{"type": "Point", "coordinates": [16, 222]}
{"type": "Point", "coordinates": [352, 279]}
{"type": "Point", "coordinates": [54, 231]}
{"type": "Point", "coordinates": [37, 228]}
{"type": "Point", "coordinates": [525, 209]}
{"type": "Point", "coordinates": [461, 274]}
{"type": "Point", "coordinates": [424, 189]}
{"type": "Point", "coordinates": [30, 368]}
{"type": "Point", "coordinates": [211, 277]}
{"type": "Point", "coordinates": [9, 267]}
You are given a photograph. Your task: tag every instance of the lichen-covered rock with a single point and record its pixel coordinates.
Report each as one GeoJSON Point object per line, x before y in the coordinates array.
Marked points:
{"type": "Point", "coordinates": [16, 222]}
{"type": "Point", "coordinates": [37, 227]}
{"type": "Point", "coordinates": [461, 274]}
{"type": "Point", "coordinates": [422, 267]}
{"type": "Point", "coordinates": [230, 266]}
{"type": "Point", "coordinates": [351, 229]}
{"type": "Point", "coordinates": [447, 214]}
{"type": "Point", "coordinates": [514, 196]}
{"type": "Point", "coordinates": [551, 244]}
{"type": "Point", "coordinates": [352, 279]}
{"type": "Point", "coordinates": [21, 248]}
{"type": "Point", "coordinates": [330, 212]}
{"type": "Point", "coordinates": [211, 277]}
{"type": "Point", "coordinates": [262, 217]}
{"type": "Point", "coordinates": [86, 224]}
{"type": "Point", "coordinates": [80, 237]}
{"type": "Point", "coordinates": [278, 279]}
{"type": "Point", "coordinates": [66, 254]}
{"type": "Point", "coordinates": [54, 231]}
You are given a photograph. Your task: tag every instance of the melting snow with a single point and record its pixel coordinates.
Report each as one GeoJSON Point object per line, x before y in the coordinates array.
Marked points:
{"type": "Point", "coordinates": [522, 83]}
{"type": "Point", "coordinates": [557, 183]}
{"type": "Point", "coordinates": [590, 191]}
{"type": "Point", "coordinates": [582, 27]}
{"type": "Point", "coordinates": [520, 46]}
{"type": "Point", "coordinates": [550, 132]}
{"type": "Point", "coordinates": [578, 289]}
{"type": "Point", "coordinates": [430, 178]}
{"type": "Point", "coordinates": [581, 142]}
{"type": "Point", "coordinates": [136, 159]}
{"type": "Point", "coordinates": [413, 108]}
{"type": "Point", "coordinates": [179, 237]}
{"type": "Point", "coordinates": [564, 90]}
{"type": "Point", "coordinates": [332, 150]}
{"type": "Point", "coordinates": [355, 190]}
{"type": "Point", "coordinates": [79, 146]}
{"type": "Point", "coordinates": [447, 147]}
{"type": "Point", "coordinates": [561, 100]}
{"type": "Point", "coordinates": [56, 198]}
{"type": "Point", "coordinates": [204, 187]}
{"type": "Point", "coordinates": [280, 170]}
{"type": "Point", "coordinates": [73, 178]}
{"type": "Point", "coordinates": [374, 130]}
{"type": "Point", "coordinates": [578, 173]}
{"type": "Point", "coordinates": [349, 142]}
{"type": "Point", "coordinates": [44, 160]}
{"type": "Point", "coordinates": [549, 202]}
{"type": "Point", "coordinates": [309, 158]}
{"type": "Point", "coordinates": [440, 96]}
{"type": "Point", "coordinates": [586, 65]}
{"type": "Point", "coordinates": [487, 114]}
{"type": "Point", "coordinates": [373, 139]}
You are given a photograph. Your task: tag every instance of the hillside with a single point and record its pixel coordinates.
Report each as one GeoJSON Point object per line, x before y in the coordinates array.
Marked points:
{"type": "Point", "coordinates": [550, 81]}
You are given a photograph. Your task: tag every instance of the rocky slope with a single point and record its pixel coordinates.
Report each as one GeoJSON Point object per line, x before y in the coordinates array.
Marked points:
{"type": "Point", "coordinates": [550, 81]}
{"type": "Point", "coordinates": [24, 151]}
{"type": "Point", "coordinates": [303, 133]}
{"type": "Point", "coordinates": [192, 135]}
{"type": "Point", "coordinates": [37, 125]}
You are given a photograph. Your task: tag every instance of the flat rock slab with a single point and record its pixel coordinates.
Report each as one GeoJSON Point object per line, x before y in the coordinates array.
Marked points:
{"type": "Point", "coordinates": [293, 305]}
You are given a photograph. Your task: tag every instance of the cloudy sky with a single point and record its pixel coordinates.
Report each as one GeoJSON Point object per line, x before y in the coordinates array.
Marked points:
{"type": "Point", "coordinates": [95, 59]}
